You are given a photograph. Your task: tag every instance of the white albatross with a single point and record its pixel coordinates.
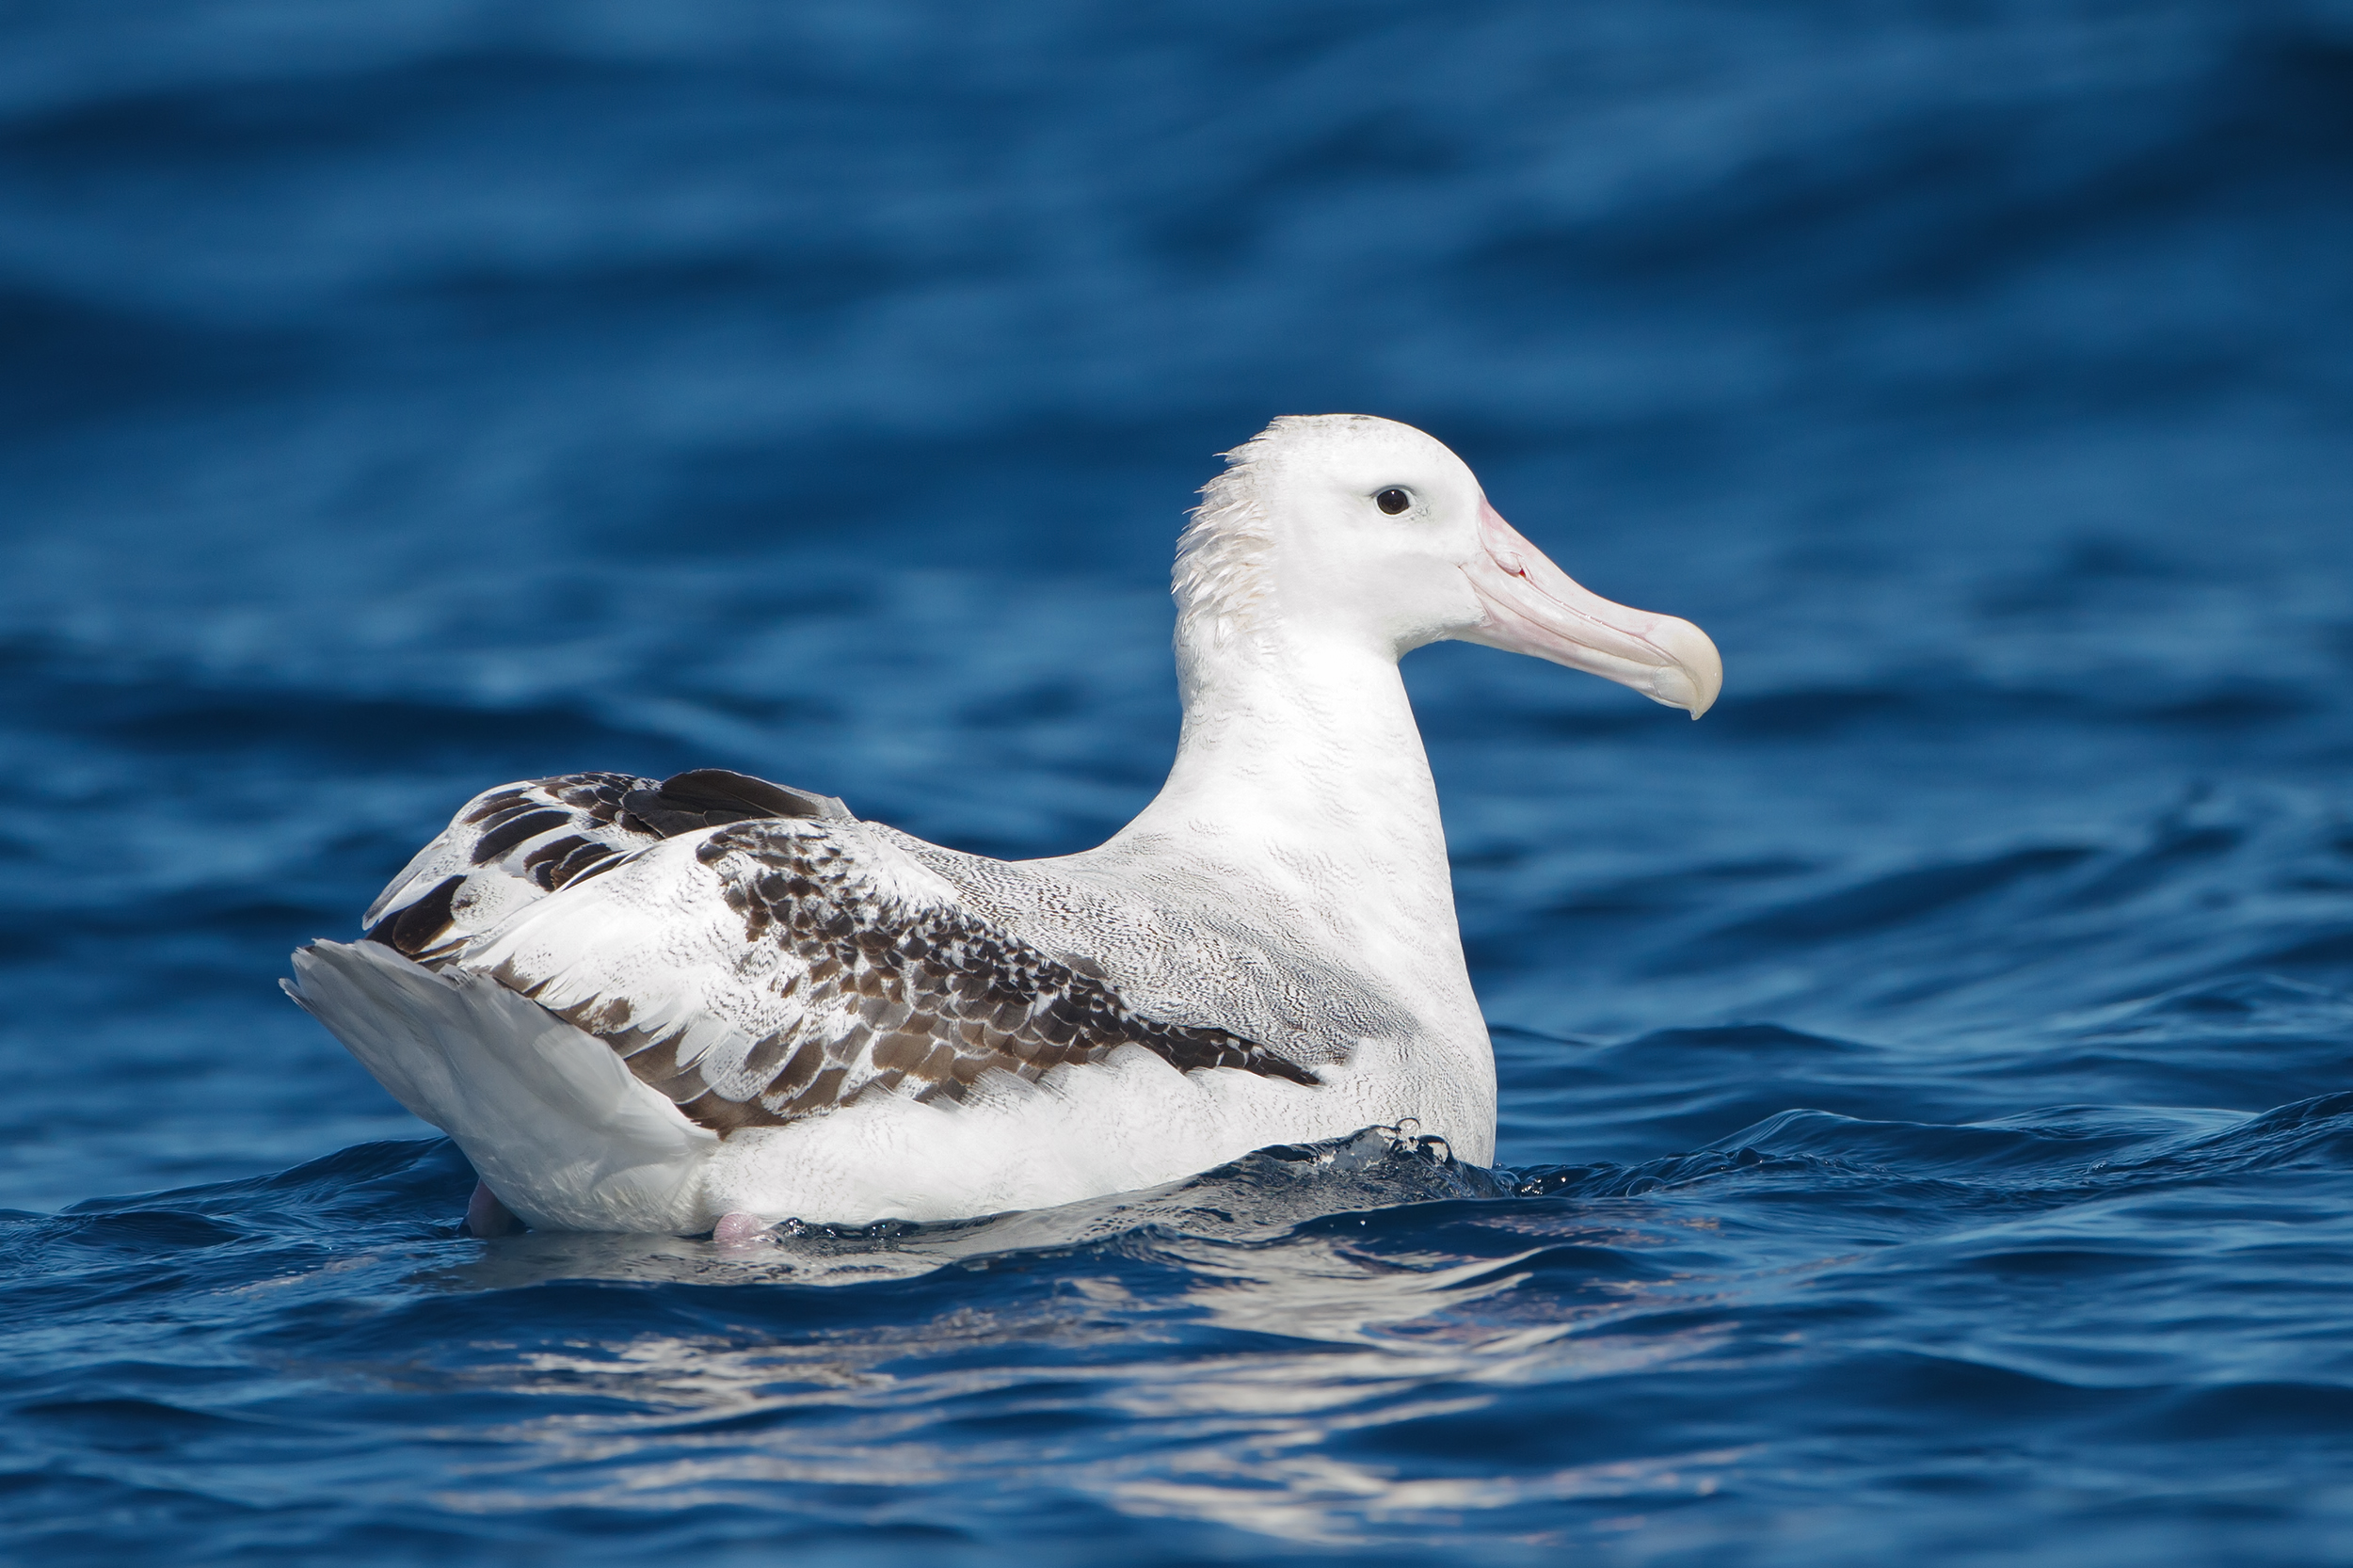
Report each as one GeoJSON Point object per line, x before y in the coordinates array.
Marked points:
{"type": "Point", "coordinates": [712, 1002]}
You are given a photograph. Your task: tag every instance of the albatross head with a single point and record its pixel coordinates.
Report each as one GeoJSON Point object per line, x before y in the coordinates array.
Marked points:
{"type": "Point", "coordinates": [1343, 526]}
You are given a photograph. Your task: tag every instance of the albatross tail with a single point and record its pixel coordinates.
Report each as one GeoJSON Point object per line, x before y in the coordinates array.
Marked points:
{"type": "Point", "coordinates": [555, 1124]}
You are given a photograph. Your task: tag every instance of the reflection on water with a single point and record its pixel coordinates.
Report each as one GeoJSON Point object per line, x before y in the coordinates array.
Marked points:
{"type": "Point", "coordinates": [1355, 1345]}
{"type": "Point", "coordinates": [1288, 1311]}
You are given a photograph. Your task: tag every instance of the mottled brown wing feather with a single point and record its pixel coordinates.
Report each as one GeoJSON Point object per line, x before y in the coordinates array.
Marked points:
{"type": "Point", "coordinates": [824, 978]}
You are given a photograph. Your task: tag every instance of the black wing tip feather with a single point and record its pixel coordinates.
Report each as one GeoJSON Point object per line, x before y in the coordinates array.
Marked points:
{"type": "Point", "coordinates": [419, 926]}
{"type": "Point", "coordinates": [597, 795]}
{"type": "Point", "coordinates": [682, 802]}
{"type": "Point", "coordinates": [717, 797]}
{"type": "Point", "coordinates": [585, 823]}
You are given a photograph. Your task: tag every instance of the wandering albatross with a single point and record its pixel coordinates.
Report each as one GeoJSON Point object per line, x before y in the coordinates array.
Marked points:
{"type": "Point", "coordinates": [710, 1001]}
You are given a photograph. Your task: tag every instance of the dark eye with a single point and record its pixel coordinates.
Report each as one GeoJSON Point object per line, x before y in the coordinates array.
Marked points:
{"type": "Point", "coordinates": [1393, 501]}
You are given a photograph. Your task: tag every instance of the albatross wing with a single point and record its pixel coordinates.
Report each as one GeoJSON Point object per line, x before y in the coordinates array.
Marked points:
{"type": "Point", "coordinates": [590, 957]}
{"type": "Point", "coordinates": [769, 970]}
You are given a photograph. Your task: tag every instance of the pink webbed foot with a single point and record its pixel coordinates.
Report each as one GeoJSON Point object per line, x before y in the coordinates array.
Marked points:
{"type": "Point", "coordinates": [738, 1230]}
{"type": "Point", "coordinates": [486, 1216]}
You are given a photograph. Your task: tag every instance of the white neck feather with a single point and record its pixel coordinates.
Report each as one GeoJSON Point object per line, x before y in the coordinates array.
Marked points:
{"type": "Point", "coordinates": [1310, 749]}
{"type": "Point", "coordinates": [1300, 820]}
{"type": "Point", "coordinates": [1301, 793]}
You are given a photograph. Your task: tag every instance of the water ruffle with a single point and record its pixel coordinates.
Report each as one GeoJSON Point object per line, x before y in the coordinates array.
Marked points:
{"type": "Point", "coordinates": [1920, 1081]}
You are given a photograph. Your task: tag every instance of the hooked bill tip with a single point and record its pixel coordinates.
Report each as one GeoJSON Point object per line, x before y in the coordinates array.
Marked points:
{"type": "Point", "coordinates": [1699, 666]}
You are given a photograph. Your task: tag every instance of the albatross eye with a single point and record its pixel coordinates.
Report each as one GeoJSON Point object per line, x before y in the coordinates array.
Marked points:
{"type": "Point", "coordinates": [1393, 501]}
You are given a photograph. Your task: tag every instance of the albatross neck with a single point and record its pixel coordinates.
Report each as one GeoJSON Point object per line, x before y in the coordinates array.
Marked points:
{"type": "Point", "coordinates": [1301, 783]}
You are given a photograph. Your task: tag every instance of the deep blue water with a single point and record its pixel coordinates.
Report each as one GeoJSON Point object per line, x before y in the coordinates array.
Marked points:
{"type": "Point", "coordinates": [1928, 1082]}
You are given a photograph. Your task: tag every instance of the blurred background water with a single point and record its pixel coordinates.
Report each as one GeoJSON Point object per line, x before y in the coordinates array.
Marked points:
{"type": "Point", "coordinates": [1927, 1084]}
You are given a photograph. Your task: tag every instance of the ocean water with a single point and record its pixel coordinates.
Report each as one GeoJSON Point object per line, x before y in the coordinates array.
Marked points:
{"type": "Point", "coordinates": [1928, 1082]}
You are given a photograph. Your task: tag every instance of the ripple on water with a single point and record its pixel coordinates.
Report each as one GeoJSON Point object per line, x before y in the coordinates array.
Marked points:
{"type": "Point", "coordinates": [1922, 1082]}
